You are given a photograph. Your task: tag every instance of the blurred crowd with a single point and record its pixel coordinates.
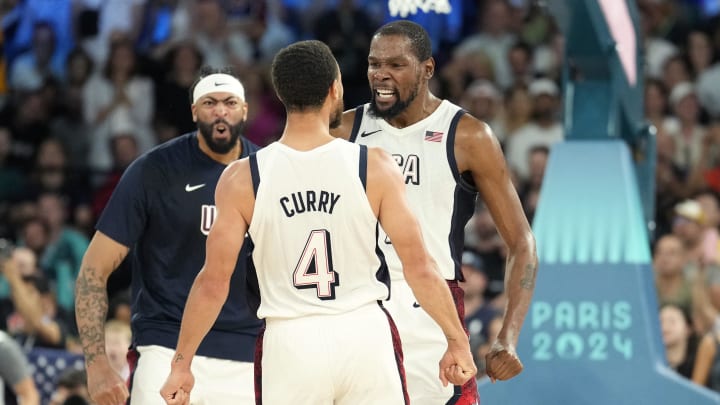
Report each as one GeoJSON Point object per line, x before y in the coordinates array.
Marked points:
{"type": "Point", "coordinates": [88, 85]}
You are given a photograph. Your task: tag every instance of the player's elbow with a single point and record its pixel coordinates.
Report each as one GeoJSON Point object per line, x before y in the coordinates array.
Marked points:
{"type": "Point", "coordinates": [421, 271]}
{"type": "Point", "coordinates": [524, 248]}
{"type": "Point", "coordinates": [213, 284]}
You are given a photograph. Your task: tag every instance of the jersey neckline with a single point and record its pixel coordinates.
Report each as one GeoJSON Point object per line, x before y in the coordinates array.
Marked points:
{"type": "Point", "coordinates": [385, 126]}
{"type": "Point", "coordinates": [317, 149]}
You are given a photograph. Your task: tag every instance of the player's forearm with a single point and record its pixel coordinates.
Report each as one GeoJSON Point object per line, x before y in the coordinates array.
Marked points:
{"type": "Point", "coordinates": [91, 306]}
{"type": "Point", "coordinates": [433, 295]}
{"type": "Point", "coordinates": [204, 303]}
{"type": "Point", "coordinates": [521, 272]}
{"type": "Point", "coordinates": [26, 303]}
{"type": "Point", "coordinates": [29, 306]}
{"type": "Point", "coordinates": [26, 392]}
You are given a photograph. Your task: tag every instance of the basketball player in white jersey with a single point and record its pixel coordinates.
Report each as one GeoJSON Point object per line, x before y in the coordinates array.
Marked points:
{"type": "Point", "coordinates": [446, 156]}
{"type": "Point", "coordinates": [311, 204]}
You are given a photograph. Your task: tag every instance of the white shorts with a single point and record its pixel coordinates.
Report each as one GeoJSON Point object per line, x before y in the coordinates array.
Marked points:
{"type": "Point", "coordinates": [217, 381]}
{"type": "Point", "coordinates": [423, 345]}
{"type": "Point", "coordinates": [346, 359]}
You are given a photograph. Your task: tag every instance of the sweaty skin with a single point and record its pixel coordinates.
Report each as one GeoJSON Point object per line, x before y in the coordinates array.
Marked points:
{"type": "Point", "coordinates": [393, 66]}
{"type": "Point", "coordinates": [235, 201]}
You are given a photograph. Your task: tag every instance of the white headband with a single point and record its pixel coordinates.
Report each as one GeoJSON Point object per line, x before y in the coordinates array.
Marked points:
{"type": "Point", "coordinates": [218, 82]}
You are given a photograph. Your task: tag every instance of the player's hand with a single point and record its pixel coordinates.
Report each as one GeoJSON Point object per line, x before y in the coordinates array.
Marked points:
{"type": "Point", "coordinates": [105, 386]}
{"type": "Point", "coordinates": [502, 362]}
{"type": "Point", "coordinates": [457, 365]}
{"type": "Point", "coordinates": [177, 387]}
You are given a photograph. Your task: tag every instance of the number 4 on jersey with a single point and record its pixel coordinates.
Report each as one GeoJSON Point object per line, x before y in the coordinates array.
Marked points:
{"type": "Point", "coordinates": [315, 268]}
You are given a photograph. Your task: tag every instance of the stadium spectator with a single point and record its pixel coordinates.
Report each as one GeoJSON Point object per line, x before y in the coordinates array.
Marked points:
{"type": "Point", "coordinates": [36, 320]}
{"type": "Point", "coordinates": [680, 341]}
{"type": "Point", "coordinates": [71, 385]}
{"type": "Point", "coordinates": [544, 129]}
{"type": "Point", "coordinates": [118, 96]}
{"type": "Point", "coordinates": [685, 126]}
{"type": "Point", "coordinates": [118, 338]}
{"type": "Point", "coordinates": [669, 261]}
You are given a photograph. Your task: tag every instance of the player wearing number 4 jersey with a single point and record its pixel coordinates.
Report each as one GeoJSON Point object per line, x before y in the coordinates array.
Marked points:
{"type": "Point", "coordinates": [311, 204]}
{"type": "Point", "coordinates": [446, 157]}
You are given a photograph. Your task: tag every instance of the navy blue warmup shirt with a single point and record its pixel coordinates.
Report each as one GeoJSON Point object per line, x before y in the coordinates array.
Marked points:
{"type": "Point", "coordinates": [162, 209]}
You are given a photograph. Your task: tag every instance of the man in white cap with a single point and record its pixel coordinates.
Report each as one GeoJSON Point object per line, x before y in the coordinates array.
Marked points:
{"type": "Point", "coordinates": [684, 125]}
{"type": "Point", "coordinates": [544, 129]}
{"type": "Point", "coordinates": [159, 217]}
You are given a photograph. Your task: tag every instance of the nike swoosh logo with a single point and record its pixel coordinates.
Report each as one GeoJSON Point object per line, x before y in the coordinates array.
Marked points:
{"type": "Point", "coordinates": [416, 305]}
{"type": "Point", "coordinates": [190, 188]}
{"type": "Point", "coordinates": [220, 84]}
{"type": "Point", "coordinates": [364, 134]}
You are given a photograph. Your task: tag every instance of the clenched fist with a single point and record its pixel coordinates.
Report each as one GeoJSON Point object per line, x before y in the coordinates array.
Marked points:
{"type": "Point", "coordinates": [502, 363]}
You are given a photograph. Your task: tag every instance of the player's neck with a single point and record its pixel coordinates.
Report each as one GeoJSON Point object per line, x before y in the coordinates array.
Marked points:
{"type": "Point", "coordinates": [224, 158]}
{"type": "Point", "coordinates": [424, 104]}
{"type": "Point", "coordinates": [306, 130]}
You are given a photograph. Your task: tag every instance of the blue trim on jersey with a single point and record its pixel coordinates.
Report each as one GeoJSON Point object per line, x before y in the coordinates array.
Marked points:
{"type": "Point", "coordinates": [457, 394]}
{"type": "Point", "coordinates": [464, 198]}
{"type": "Point", "coordinates": [463, 210]}
{"type": "Point", "coordinates": [359, 110]}
{"type": "Point", "coordinates": [363, 165]}
{"type": "Point", "coordinates": [254, 172]}
{"type": "Point", "coordinates": [382, 273]}
{"type": "Point", "coordinates": [451, 153]}
{"type": "Point", "coordinates": [251, 279]}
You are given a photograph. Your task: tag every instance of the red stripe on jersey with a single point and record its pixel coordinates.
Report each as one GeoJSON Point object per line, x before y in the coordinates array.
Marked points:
{"type": "Point", "coordinates": [399, 357]}
{"type": "Point", "coordinates": [258, 366]}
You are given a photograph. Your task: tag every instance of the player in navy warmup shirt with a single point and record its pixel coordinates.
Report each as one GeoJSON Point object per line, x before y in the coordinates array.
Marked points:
{"type": "Point", "coordinates": [160, 215]}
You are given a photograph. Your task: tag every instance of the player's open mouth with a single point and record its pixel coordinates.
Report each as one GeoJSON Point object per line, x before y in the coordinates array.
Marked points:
{"type": "Point", "coordinates": [384, 94]}
{"type": "Point", "coordinates": [221, 128]}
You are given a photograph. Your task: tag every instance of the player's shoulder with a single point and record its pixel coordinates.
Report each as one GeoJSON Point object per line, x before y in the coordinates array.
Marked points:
{"type": "Point", "coordinates": [473, 131]}
{"type": "Point", "coordinates": [238, 168]}
{"type": "Point", "coordinates": [236, 177]}
{"type": "Point", "coordinates": [380, 162]}
{"type": "Point", "coordinates": [163, 161]}
{"type": "Point", "coordinates": [173, 150]}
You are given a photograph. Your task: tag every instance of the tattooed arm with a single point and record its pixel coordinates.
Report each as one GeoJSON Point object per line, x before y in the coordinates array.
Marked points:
{"type": "Point", "coordinates": [477, 151]}
{"type": "Point", "coordinates": [102, 257]}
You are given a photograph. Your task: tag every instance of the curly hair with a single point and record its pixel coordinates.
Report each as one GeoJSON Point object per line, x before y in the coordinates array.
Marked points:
{"type": "Point", "coordinates": [302, 74]}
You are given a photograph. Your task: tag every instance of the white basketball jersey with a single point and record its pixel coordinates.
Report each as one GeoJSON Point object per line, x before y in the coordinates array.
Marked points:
{"type": "Point", "coordinates": [314, 231]}
{"type": "Point", "coordinates": [439, 196]}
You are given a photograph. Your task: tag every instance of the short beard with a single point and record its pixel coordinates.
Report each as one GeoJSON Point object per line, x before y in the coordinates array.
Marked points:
{"type": "Point", "coordinates": [396, 109]}
{"type": "Point", "coordinates": [220, 147]}
{"type": "Point", "coordinates": [336, 117]}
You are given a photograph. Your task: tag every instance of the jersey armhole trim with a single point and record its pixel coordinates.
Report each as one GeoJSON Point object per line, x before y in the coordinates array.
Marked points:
{"type": "Point", "coordinates": [363, 165]}
{"type": "Point", "coordinates": [359, 110]}
{"type": "Point", "coordinates": [254, 172]}
{"type": "Point", "coordinates": [450, 145]}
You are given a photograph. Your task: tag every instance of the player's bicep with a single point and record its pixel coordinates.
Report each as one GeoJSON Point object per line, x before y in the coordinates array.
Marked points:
{"type": "Point", "coordinates": [103, 255]}
{"type": "Point", "coordinates": [482, 155]}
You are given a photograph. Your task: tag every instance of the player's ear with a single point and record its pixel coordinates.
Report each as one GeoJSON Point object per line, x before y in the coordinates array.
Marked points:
{"type": "Point", "coordinates": [193, 109]}
{"type": "Point", "coordinates": [245, 108]}
{"type": "Point", "coordinates": [336, 90]}
{"type": "Point", "coordinates": [429, 68]}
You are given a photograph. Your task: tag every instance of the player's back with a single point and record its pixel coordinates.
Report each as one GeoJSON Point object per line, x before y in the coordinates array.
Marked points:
{"type": "Point", "coordinates": [314, 231]}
